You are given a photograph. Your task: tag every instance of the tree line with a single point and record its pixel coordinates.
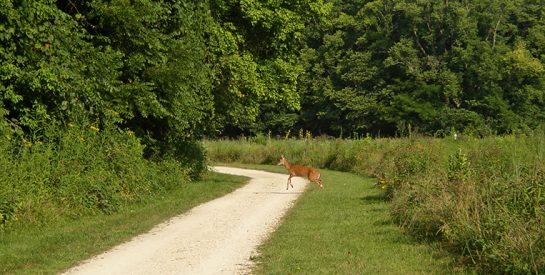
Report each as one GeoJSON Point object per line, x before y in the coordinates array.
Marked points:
{"type": "Point", "coordinates": [168, 71]}
{"type": "Point", "coordinates": [177, 70]}
{"type": "Point", "coordinates": [390, 67]}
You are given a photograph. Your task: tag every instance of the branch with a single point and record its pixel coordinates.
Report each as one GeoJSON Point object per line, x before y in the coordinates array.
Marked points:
{"type": "Point", "coordinates": [496, 31]}
{"type": "Point", "coordinates": [418, 42]}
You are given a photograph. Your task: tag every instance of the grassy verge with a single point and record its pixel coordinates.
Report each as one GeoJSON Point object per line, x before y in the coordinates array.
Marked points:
{"type": "Point", "coordinates": [56, 247]}
{"type": "Point", "coordinates": [346, 228]}
{"type": "Point", "coordinates": [483, 199]}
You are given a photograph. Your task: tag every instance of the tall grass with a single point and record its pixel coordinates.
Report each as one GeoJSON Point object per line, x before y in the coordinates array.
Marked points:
{"type": "Point", "coordinates": [484, 198]}
{"type": "Point", "coordinates": [76, 171]}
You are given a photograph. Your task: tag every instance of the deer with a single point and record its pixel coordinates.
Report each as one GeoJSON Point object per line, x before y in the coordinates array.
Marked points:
{"type": "Point", "coordinates": [300, 171]}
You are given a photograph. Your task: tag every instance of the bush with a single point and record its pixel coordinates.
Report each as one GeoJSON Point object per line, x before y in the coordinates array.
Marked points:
{"type": "Point", "coordinates": [77, 170]}
{"type": "Point", "coordinates": [192, 156]}
{"type": "Point", "coordinates": [484, 198]}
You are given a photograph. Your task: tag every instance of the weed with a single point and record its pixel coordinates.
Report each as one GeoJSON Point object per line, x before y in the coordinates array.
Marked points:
{"type": "Point", "coordinates": [483, 198]}
{"type": "Point", "coordinates": [76, 171]}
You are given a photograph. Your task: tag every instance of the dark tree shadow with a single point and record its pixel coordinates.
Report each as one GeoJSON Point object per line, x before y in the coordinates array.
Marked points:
{"type": "Point", "coordinates": [373, 198]}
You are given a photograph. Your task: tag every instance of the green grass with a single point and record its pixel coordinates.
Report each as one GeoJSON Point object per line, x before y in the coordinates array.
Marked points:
{"type": "Point", "coordinates": [53, 248]}
{"type": "Point", "coordinates": [345, 228]}
{"type": "Point", "coordinates": [482, 199]}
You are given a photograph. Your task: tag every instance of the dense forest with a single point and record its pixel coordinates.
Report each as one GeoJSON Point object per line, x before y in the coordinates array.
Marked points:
{"type": "Point", "coordinates": [178, 70]}
{"type": "Point", "coordinates": [388, 67]}
{"type": "Point", "coordinates": [166, 70]}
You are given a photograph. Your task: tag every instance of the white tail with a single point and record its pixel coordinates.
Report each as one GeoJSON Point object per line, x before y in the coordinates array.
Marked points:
{"type": "Point", "coordinates": [301, 171]}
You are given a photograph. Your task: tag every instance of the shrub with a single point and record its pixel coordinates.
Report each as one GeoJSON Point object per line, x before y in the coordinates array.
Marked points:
{"type": "Point", "coordinates": [77, 170]}
{"type": "Point", "coordinates": [484, 198]}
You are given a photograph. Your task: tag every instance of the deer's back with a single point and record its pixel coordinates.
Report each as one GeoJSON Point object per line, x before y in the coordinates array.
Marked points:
{"type": "Point", "coordinates": [303, 171]}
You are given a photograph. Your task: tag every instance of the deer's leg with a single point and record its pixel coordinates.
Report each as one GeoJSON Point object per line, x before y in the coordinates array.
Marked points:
{"type": "Point", "coordinates": [289, 183]}
{"type": "Point", "coordinates": [320, 183]}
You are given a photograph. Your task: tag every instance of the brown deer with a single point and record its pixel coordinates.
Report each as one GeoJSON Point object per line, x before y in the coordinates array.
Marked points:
{"type": "Point", "coordinates": [300, 171]}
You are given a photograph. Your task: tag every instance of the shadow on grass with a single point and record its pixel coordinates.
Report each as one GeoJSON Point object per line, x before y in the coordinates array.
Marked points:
{"type": "Point", "coordinates": [373, 198]}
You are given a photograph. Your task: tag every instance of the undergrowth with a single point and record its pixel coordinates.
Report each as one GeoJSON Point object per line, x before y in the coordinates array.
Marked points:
{"type": "Point", "coordinates": [76, 170]}
{"type": "Point", "coordinates": [483, 198]}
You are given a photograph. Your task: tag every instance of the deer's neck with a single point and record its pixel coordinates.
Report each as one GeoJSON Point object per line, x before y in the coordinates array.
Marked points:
{"type": "Point", "coordinates": [287, 165]}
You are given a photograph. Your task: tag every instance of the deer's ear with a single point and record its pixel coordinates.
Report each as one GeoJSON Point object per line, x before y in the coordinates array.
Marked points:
{"type": "Point", "coordinates": [282, 156]}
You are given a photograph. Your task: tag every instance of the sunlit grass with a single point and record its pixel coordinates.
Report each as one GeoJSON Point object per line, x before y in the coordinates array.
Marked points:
{"type": "Point", "coordinates": [56, 247]}
{"type": "Point", "coordinates": [345, 229]}
{"type": "Point", "coordinates": [482, 198]}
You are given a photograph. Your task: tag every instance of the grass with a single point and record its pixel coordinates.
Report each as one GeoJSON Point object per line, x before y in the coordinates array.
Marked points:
{"type": "Point", "coordinates": [482, 199]}
{"type": "Point", "coordinates": [346, 228]}
{"type": "Point", "coordinates": [53, 248]}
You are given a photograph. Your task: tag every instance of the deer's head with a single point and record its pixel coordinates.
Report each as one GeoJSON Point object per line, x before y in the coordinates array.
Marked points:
{"type": "Point", "coordinates": [282, 161]}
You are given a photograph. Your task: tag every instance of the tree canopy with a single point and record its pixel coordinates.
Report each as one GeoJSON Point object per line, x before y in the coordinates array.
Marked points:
{"type": "Point", "coordinates": [386, 66]}
{"type": "Point", "coordinates": [173, 70]}
{"type": "Point", "coordinates": [167, 70]}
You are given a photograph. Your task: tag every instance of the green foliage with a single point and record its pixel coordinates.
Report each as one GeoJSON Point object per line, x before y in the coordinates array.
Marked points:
{"type": "Point", "coordinates": [253, 47]}
{"type": "Point", "coordinates": [47, 65]}
{"type": "Point", "coordinates": [190, 154]}
{"type": "Point", "coordinates": [378, 66]}
{"type": "Point", "coordinates": [458, 167]}
{"type": "Point", "coordinates": [185, 69]}
{"type": "Point", "coordinates": [167, 71]}
{"type": "Point", "coordinates": [76, 171]}
{"type": "Point", "coordinates": [165, 83]}
{"type": "Point", "coordinates": [482, 198]}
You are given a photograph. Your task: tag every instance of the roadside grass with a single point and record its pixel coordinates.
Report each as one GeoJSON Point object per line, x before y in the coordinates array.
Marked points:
{"type": "Point", "coordinates": [483, 199]}
{"type": "Point", "coordinates": [345, 228]}
{"type": "Point", "coordinates": [53, 248]}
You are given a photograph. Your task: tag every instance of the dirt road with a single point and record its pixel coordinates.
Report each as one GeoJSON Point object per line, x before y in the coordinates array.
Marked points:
{"type": "Point", "coordinates": [218, 237]}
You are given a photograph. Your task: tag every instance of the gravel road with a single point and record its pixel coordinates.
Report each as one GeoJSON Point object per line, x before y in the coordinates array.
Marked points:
{"type": "Point", "coordinates": [218, 237]}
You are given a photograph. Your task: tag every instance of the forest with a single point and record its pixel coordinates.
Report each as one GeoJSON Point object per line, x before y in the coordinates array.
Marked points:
{"type": "Point", "coordinates": [390, 67]}
{"type": "Point", "coordinates": [181, 70]}
{"type": "Point", "coordinates": [106, 102]}
{"type": "Point", "coordinates": [164, 74]}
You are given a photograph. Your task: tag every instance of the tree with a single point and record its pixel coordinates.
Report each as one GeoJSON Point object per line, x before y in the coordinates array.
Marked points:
{"type": "Point", "coordinates": [254, 46]}
{"type": "Point", "coordinates": [380, 66]}
{"type": "Point", "coordinates": [49, 69]}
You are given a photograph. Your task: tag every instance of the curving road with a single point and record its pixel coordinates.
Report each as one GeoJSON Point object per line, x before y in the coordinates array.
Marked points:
{"type": "Point", "coordinates": [218, 237]}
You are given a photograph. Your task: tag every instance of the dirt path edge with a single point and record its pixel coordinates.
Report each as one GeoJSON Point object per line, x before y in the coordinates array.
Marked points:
{"type": "Point", "coordinates": [217, 237]}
